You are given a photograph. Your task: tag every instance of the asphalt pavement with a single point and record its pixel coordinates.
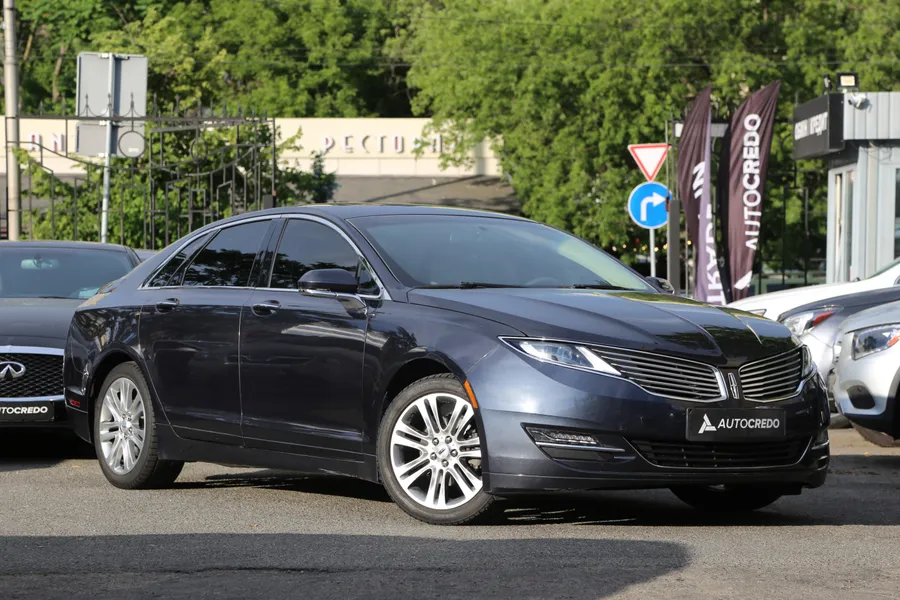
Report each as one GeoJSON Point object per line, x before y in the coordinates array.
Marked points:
{"type": "Point", "coordinates": [223, 532]}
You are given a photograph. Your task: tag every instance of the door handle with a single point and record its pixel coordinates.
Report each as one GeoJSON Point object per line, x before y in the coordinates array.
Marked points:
{"type": "Point", "coordinates": [266, 308]}
{"type": "Point", "coordinates": [167, 304]}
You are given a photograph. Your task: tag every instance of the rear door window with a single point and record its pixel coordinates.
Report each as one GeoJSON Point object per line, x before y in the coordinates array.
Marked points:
{"type": "Point", "coordinates": [227, 261]}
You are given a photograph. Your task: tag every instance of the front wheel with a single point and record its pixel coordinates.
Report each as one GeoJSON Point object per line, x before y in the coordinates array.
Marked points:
{"type": "Point", "coordinates": [727, 498]}
{"type": "Point", "coordinates": [125, 433]}
{"type": "Point", "coordinates": [429, 453]}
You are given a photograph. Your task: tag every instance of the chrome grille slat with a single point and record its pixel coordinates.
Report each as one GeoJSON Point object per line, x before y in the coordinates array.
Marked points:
{"type": "Point", "coordinates": [654, 361]}
{"type": "Point", "coordinates": [773, 377]}
{"type": "Point", "coordinates": [656, 372]}
{"type": "Point", "coordinates": [665, 375]}
{"type": "Point", "coordinates": [772, 380]}
{"type": "Point", "coordinates": [775, 369]}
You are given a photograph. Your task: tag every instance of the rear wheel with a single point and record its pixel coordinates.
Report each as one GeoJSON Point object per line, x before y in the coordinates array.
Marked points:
{"type": "Point", "coordinates": [125, 433]}
{"type": "Point", "coordinates": [429, 453]}
{"type": "Point", "coordinates": [727, 498]}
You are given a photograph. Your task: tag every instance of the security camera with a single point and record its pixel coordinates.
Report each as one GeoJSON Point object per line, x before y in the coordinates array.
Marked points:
{"type": "Point", "coordinates": [857, 100]}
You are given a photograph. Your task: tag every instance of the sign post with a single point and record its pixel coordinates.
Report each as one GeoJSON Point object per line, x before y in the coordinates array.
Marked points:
{"type": "Point", "coordinates": [649, 159]}
{"type": "Point", "coordinates": [647, 208]}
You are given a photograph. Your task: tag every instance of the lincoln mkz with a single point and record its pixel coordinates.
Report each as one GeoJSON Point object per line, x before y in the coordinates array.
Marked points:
{"type": "Point", "coordinates": [453, 356]}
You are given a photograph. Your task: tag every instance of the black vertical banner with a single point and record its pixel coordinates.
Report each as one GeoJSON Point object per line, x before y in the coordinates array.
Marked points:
{"type": "Point", "coordinates": [742, 176]}
{"type": "Point", "coordinates": [691, 167]}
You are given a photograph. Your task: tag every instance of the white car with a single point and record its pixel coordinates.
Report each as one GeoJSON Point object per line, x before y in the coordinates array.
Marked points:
{"type": "Point", "coordinates": [774, 305]}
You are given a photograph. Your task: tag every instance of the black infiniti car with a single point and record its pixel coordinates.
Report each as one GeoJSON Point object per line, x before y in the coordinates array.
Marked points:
{"type": "Point", "coordinates": [452, 355]}
{"type": "Point", "coordinates": [41, 285]}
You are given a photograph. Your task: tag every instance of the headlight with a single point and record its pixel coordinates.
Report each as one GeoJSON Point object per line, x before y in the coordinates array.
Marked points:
{"type": "Point", "coordinates": [758, 311]}
{"type": "Point", "coordinates": [563, 354]}
{"type": "Point", "coordinates": [800, 324]}
{"type": "Point", "coordinates": [875, 339]}
{"type": "Point", "coordinates": [808, 365]}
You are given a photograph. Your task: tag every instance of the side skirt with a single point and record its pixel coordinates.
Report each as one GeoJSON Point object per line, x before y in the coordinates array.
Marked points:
{"type": "Point", "coordinates": [173, 447]}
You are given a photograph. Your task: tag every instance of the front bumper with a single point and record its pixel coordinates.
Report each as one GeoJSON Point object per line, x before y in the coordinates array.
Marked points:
{"type": "Point", "coordinates": [866, 389]}
{"type": "Point", "coordinates": [515, 393]}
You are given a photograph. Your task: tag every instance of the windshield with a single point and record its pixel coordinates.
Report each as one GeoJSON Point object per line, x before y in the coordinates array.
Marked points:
{"type": "Point", "coordinates": [469, 251]}
{"type": "Point", "coordinates": [48, 272]}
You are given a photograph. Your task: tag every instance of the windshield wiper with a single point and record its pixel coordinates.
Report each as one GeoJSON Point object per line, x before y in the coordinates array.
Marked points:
{"type": "Point", "coordinates": [597, 286]}
{"type": "Point", "coordinates": [56, 297]}
{"type": "Point", "coordinates": [466, 285]}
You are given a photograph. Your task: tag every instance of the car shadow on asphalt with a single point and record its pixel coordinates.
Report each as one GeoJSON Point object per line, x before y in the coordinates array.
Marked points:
{"type": "Point", "coordinates": [328, 566]}
{"type": "Point", "coordinates": [289, 481]}
{"type": "Point", "coordinates": [860, 490]}
{"type": "Point", "coordinates": [23, 449]}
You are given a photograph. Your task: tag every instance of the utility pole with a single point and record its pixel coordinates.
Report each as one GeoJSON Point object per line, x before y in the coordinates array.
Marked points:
{"type": "Point", "coordinates": [110, 149]}
{"type": "Point", "coordinates": [11, 87]}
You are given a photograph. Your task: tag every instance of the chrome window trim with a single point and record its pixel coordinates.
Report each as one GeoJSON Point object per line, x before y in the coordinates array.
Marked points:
{"type": "Point", "coordinates": [35, 399]}
{"type": "Point", "coordinates": [383, 294]}
{"type": "Point", "coordinates": [31, 350]}
{"type": "Point", "coordinates": [723, 392]}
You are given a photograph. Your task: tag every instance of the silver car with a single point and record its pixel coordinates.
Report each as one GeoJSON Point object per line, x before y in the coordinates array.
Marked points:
{"type": "Point", "coordinates": [867, 372]}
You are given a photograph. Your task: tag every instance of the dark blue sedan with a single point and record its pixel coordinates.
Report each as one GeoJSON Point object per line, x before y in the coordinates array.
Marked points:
{"type": "Point", "coordinates": [452, 355]}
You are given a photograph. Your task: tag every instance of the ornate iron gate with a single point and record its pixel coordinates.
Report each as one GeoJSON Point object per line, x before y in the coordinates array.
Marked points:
{"type": "Point", "coordinates": [194, 167]}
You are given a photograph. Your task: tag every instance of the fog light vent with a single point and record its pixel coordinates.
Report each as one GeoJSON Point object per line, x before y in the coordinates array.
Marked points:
{"type": "Point", "coordinates": [557, 436]}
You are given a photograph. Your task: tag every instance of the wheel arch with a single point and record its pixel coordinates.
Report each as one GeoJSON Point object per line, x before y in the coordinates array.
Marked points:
{"type": "Point", "coordinates": [414, 369]}
{"type": "Point", "coordinates": [105, 364]}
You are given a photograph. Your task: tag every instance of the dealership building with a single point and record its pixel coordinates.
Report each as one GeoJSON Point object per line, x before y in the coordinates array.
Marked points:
{"type": "Point", "coordinates": [859, 135]}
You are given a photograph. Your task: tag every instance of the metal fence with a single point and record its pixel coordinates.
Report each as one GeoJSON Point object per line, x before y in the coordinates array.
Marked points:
{"type": "Point", "coordinates": [194, 167]}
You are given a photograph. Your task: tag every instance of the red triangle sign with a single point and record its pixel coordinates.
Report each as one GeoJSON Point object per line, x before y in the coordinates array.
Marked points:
{"type": "Point", "coordinates": [649, 157]}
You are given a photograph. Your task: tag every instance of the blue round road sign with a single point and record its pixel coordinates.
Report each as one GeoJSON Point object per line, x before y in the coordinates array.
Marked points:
{"type": "Point", "coordinates": [647, 205]}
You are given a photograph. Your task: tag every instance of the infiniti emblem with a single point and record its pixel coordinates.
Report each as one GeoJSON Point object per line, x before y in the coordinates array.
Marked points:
{"type": "Point", "coordinates": [733, 385]}
{"type": "Point", "coordinates": [11, 370]}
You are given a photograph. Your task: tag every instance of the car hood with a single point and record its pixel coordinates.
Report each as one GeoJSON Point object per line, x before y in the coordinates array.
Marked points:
{"type": "Point", "coordinates": [36, 321]}
{"type": "Point", "coordinates": [637, 320]}
{"type": "Point", "coordinates": [873, 317]}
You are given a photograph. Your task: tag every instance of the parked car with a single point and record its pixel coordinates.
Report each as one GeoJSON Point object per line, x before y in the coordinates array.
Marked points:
{"type": "Point", "coordinates": [41, 285]}
{"type": "Point", "coordinates": [867, 373]}
{"type": "Point", "coordinates": [817, 323]}
{"type": "Point", "coordinates": [776, 304]}
{"type": "Point", "coordinates": [452, 355]}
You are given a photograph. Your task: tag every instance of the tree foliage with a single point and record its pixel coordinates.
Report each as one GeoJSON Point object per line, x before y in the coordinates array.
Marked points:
{"type": "Point", "coordinates": [561, 87]}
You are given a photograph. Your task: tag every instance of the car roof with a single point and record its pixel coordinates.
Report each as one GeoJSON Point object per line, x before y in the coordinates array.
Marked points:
{"type": "Point", "coordinates": [352, 211]}
{"type": "Point", "coordinates": [64, 244]}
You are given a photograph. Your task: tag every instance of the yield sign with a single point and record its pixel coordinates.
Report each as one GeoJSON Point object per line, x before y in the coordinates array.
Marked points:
{"type": "Point", "coordinates": [649, 157]}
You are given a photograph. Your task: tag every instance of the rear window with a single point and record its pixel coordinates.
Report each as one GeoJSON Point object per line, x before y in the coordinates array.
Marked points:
{"type": "Point", "coordinates": [29, 272]}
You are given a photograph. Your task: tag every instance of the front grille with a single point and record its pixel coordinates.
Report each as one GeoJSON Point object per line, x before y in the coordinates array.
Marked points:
{"type": "Point", "coordinates": [716, 455]}
{"type": "Point", "coordinates": [42, 377]}
{"type": "Point", "coordinates": [773, 377]}
{"type": "Point", "coordinates": [665, 375]}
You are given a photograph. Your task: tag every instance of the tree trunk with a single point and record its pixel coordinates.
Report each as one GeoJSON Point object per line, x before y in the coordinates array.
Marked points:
{"type": "Point", "coordinates": [54, 94]}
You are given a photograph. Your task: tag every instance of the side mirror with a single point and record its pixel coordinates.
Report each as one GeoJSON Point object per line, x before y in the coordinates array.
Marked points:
{"type": "Point", "coordinates": [661, 284]}
{"type": "Point", "coordinates": [328, 282]}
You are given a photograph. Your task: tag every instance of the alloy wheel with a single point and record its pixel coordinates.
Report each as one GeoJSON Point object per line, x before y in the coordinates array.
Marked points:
{"type": "Point", "coordinates": [122, 425]}
{"type": "Point", "coordinates": [436, 451]}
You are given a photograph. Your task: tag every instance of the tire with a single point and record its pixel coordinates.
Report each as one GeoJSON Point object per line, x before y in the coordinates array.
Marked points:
{"type": "Point", "coordinates": [145, 470]}
{"type": "Point", "coordinates": [441, 482]}
{"type": "Point", "coordinates": [724, 499]}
